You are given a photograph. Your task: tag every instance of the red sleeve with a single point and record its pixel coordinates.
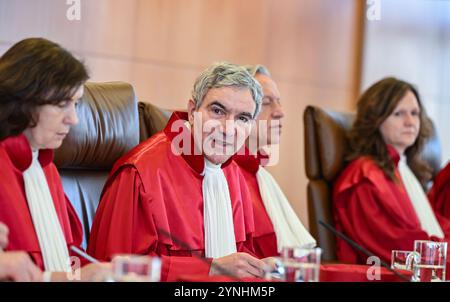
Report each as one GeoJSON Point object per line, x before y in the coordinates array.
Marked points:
{"type": "Point", "coordinates": [439, 194]}
{"type": "Point", "coordinates": [173, 268]}
{"type": "Point", "coordinates": [266, 246]}
{"type": "Point", "coordinates": [117, 223]}
{"type": "Point", "coordinates": [247, 246]}
{"type": "Point", "coordinates": [444, 222]}
{"type": "Point", "coordinates": [75, 224]}
{"type": "Point", "coordinates": [124, 223]}
{"type": "Point", "coordinates": [76, 230]}
{"type": "Point", "coordinates": [365, 218]}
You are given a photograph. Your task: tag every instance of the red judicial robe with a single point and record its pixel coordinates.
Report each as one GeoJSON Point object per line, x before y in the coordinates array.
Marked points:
{"type": "Point", "coordinates": [439, 194]}
{"type": "Point", "coordinates": [264, 238]}
{"type": "Point", "coordinates": [15, 158]}
{"type": "Point", "coordinates": [375, 212]}
{"type": "Point", "coordinates": [152, 204]}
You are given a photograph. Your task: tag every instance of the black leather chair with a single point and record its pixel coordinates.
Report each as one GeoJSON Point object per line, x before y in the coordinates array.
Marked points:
{"type": "Point", "coordinates": [111, 122]}
{"type": "Point", "coordinates": [152, 119]}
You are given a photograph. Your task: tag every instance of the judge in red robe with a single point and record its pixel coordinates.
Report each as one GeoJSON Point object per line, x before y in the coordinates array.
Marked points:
{"type": "Point", "coordinates": [378, 201]}
{"type": "Point", "coordinates": [288, 231]}
{"type": "Point", "coordinates": [15, 157]}
{"type": "Point", "coordinates": [37, 110]}
{"type": "Point", "coordinates": [156, 202]}
{"type": "Point", "coordinates": [439, 194]}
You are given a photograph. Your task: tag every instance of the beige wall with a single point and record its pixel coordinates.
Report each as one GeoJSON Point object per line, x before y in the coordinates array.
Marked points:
{"type": "Point", "coordinates": [160, 46]}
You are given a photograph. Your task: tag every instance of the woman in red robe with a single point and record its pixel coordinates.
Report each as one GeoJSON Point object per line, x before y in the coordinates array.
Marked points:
{"type": "Point", "coordinates": [439, 194]}
{"type": "Point", "coordinates": [40, 85]}
{"type": "Point", "coordinates": [378, 199]}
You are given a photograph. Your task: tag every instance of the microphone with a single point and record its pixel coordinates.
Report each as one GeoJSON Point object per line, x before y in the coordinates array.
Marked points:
{"type": "Point", "coordinates": [361, 249]}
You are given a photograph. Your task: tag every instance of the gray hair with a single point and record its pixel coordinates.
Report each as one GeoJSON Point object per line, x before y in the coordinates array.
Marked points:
{"type": "Point", "coordinates": [255, 69]}
{"type": "Point", "coordinates": [224, 74]}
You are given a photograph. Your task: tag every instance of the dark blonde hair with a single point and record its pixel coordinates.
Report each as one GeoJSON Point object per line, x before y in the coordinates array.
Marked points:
{"type": "Point", "coordinates": [374, 106]}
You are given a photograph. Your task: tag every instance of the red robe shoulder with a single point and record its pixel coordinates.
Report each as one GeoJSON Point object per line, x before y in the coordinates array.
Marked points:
{"type": "Point", "coordinates": [439, 194]}
{"type": "Point", "coordinates": [15, 157]}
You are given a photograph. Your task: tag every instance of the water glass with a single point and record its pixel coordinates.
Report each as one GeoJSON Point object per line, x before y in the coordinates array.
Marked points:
{"type": "Point", "coordinates": [136, 268]}
{"type": "Point", "coordinates": [404, 260]}
{"type": "Point", "coordinates": [432, 261]}
{"type": "Point", "coordinates": [298, 264]}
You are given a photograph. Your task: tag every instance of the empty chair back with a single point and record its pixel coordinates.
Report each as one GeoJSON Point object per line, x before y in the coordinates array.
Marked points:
{"type": "Point", "coordinates": [108, 128]}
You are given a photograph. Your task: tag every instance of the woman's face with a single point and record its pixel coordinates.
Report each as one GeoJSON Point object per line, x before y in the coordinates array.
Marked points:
{"type": "Point", "coordinates": [401, 128]}
{"type": "Point", "coordinates": [53, 123]}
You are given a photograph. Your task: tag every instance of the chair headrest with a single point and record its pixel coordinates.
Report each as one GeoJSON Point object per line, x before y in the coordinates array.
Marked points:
{"type": "Point", "coordinates": [108, 128]}
{"type": "Point", "coordinates": [151, 119]}
{"type": "Point", "coordinates": [326, 131]}
{"type": "Point", "coordinates": [431, 152]}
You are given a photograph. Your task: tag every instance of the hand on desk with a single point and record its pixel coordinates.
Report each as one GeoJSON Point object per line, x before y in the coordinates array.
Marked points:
{"type": "Point", "coordinates": [17, 266]}
{"type": "Point", "coordinates": [239, 265]}
{"type": "Point", "coordinates": [89, 273]}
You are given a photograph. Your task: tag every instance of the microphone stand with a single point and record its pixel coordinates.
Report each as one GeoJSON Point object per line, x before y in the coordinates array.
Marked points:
{"type": "Point", "coordinates": [361, 249]}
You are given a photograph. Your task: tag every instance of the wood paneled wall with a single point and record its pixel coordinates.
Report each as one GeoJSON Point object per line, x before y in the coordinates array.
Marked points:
{"type": "Point", "coordinates": [160, 46]}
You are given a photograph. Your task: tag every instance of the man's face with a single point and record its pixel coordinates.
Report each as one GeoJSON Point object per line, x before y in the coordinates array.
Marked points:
{"type": "Point", "coordinates": [269, 119]}
{"type": "Point", "coordinates": [223, 122]}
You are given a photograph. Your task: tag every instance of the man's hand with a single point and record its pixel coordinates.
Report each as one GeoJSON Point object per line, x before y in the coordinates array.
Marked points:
{"type": "Point", "coordinates": [92, 272]}
{"type": "Point", "coordinates": [17, 266]}
{"type": "Point", "coordinates": [238, 265]}
{"type": "Point", "coordinates": [96, 271]}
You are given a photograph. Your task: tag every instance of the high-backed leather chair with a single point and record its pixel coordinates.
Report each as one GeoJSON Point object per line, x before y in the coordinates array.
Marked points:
{"type": "Point", "coordinates": [326, 145]}
{"type": "Point", "coordinates": [108, 128]}
{"type": "Point", "coordinates": [152, 119]}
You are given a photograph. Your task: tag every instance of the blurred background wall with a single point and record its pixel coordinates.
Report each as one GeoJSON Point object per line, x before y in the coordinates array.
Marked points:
{"type": "Point", "coordinates": [412, 41]}
{"type": "Point", "coordinates": [320, 52]}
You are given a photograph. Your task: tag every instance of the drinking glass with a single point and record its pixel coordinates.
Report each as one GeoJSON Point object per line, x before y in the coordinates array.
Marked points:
{"type": "Point", "coordinates": [432, 261]}
{"type": "Point", "coordinates": [404, 260]}
{"type": "Point", "coordinates": [298, 264]}
{"type": "Point", "coordinates": [136, 268]}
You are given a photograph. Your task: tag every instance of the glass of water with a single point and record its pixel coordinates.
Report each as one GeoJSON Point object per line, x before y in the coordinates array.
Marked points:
{"type": "Point", "coordinates": [300, 264]}
{"type": "Point", "coordinates": [136, 268]}
{"type": "Point", "coordinates": [404, 260]}
{"type": "Point", "coordinates": [432, 261]}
